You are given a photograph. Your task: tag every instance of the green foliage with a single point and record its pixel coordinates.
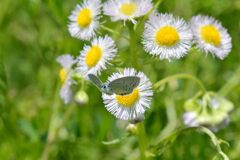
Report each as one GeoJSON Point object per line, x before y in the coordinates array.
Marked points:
{"type": "Point", "coordinates": [34, 122]}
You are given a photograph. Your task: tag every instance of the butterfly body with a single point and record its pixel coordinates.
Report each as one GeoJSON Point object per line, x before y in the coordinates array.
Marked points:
{"type": "Point", "coordinates": [106, 89]}
{"type": "Point", "coordinates": [120, 86]}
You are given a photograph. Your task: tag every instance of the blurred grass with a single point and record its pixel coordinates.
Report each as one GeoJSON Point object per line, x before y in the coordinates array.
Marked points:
{"type": "Point", "coordinates": [34, 32]}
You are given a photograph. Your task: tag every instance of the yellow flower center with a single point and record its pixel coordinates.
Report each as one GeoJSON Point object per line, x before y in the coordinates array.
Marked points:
{"type": "Point", "coordinates": [128, 8]}
{"type": "Point", "coordinates": [167, 36]}
{"type": "Point", "coordinates": [84, 17]}
{"type": "Point", "coordinates": [210, 34]}
{"type": "Point", "coordinates": [62, 75]}
{"type": "Point", "coordinates": [128, 100]}
{"type": "Point", "coordinates": [93, 56]}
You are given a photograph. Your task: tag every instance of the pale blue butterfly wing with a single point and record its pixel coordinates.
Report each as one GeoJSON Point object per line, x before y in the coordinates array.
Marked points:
{"type": "Point", "coordinates": [124, 85]}
{"type": "Point", "coordinates": [96, 81]}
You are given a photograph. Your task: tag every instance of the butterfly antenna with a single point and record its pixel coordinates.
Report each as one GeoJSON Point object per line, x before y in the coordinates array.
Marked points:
{"type": "Point", "coordinates": [95, 80]}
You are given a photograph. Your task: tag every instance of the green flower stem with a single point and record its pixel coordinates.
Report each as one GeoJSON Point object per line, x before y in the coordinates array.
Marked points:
{"type": "Point", "coordinates": [142, 140]}
{"type": "Point", "coordinates": [231, 84]}
{"type": "Point", "coordinates": [133, 45]}
{"type": "Point", "coordinates": [50, 138]}
{"type": "Point", "coordinates": [165, 142]}
{"type": "Point", "coordinates": [180, 76]}
{"type": "Point", "coordinates": [141, 129]}
{"type": "Point", "coordinates": [82, 84]}
{"type": "Point", "coordinates": [147, 15]}
{"type": "Point", "coordinates": [171, 118]}
{"type": "Point", "coordinates": [114, 32]}
{"type": "Point", "coordinates": [54, 129]}
{"type": "Point", "coordinates": [215, 141]}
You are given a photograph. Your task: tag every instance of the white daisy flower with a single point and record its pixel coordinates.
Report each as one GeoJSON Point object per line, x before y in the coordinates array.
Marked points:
{"type": "Point", "coordinates": [84, 19]}
{"type": "Point", "coordinates": [126, 9]}
{"type": "Point", "coordinates": [65, 75]}
{"type": "Point", "coordinates": [211, 36]}
{"type": "Point", "coordinates": [133, 105]}
{"type": "Point", "coordinates": [94, 58]}
{"type": "Point", "coordinates": [166, 36]}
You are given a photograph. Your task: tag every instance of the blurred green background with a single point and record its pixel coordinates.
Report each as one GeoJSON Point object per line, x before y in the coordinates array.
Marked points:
{"type": "Point", "coordinates": [34, 32]}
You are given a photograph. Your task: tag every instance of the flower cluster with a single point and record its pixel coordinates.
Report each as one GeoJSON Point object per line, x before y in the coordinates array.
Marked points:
{"type": "Point", "coordinates": [208, 110]}
{"type": "Point", "coordinates": [167, 36]}
{"type": "Point", "coordinates": [171, 37]}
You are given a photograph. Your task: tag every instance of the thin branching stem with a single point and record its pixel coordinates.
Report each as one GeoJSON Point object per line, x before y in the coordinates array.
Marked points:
{"type": "Point", "coordinates": [148, 14]}
{"type": "Point", "coordinates": [114, 32]}
{"type": "Point", "coordinates": [168, 140]}
{"type": "Point", "coordinates": [134, 60]}
{"type": "Point", "coordinates": [133, 45]}
{"type": "Point", "coordinates": [231, 84]}
{"type": "Point", "coordinates": [54, 130]}
{"type": "Point", "coordinates": [180, 76]}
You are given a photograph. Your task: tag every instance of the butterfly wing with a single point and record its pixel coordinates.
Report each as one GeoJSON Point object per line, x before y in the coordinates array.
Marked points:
{"type": "Point", "coordinates": [124, 85]}
{"type": "Point", "coordinates": [95, 80]}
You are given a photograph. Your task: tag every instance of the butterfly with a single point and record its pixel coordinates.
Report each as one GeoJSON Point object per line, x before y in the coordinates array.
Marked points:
{"type": "Point", "coordinates": [120, 86]}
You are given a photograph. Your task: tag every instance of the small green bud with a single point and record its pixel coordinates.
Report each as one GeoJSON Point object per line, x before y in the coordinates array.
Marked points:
{"type": "Point", "coordinates": [191, 105]}
{"type": "Point", "coordinates": [81, 98]}
{"type": "Point", "coordinates": [76, 77]}
{"type": "Point", "coordinates": [132, 128]}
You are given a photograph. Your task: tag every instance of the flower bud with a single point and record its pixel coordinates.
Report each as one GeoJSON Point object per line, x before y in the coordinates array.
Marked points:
{"type": "Point", "coordinates": [81, 98]}
{"type": "Point", "coordinates": [76, 77]}
{"type": "Point", "coordinates": [132, 128]}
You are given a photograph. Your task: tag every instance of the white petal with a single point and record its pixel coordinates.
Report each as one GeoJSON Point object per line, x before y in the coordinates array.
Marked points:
{"type": "Point", "coordinates": [66, 61]}
{"type": "Point", "coordinates": [66, 92]}
{"type": "Point", "coordinates": [111, 8]}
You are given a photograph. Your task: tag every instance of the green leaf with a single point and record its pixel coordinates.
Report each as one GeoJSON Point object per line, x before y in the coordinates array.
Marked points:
{"type": "Point", "coordinates": [28, 129]}
{"type": "Point", "coordinates": [3, 82]}
{"type": "Point", "coordinates": [115, 141]}
{"type": "Point", "coordinates": [112, 142]}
